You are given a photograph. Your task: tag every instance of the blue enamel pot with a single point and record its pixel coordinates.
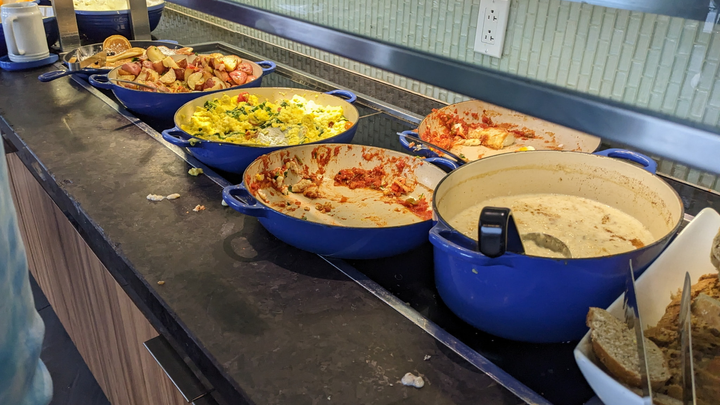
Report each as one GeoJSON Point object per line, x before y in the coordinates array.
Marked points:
{"type": "Point", "coordinates": [546, 135]}
{"type": "Point", "coordinates": [539, 299]}
{"type": "Point", "coordinates": [359, 223]}
{"type": "Point", "coordinates": [95, 26]}
{"type": "Point", "coordinates": [164, 105]}
{"type": "Point", "coordinates": [235, 158]}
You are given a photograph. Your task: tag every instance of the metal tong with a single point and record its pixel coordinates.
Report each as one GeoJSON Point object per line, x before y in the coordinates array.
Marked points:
{"type": "Point", "coordinates": [686, 356]}
{"type": "Point", "coordinates": [632, 320]}
{"type": "Point", "coordinates": [431, 145]}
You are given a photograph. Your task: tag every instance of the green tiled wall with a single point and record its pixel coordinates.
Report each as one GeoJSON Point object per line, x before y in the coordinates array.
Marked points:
{"type": "Point", "coordinates": [662, 63]}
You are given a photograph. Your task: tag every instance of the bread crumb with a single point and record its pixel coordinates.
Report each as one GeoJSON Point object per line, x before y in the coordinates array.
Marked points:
{"type": "Point", "coordinates": [161, 282]}
{"type": "Point", "coordinates": [195, 171]}
{"type": "Point", "coordinates": [173, 196]}
{"type": "Point", "coordinates": [411, 380]}
{"type": "Point", "coordinates": [427, 357]}
{"type": "Point", "coordinates": [199, 208]}
{"type": "Point", "coordinates": [155, 197]}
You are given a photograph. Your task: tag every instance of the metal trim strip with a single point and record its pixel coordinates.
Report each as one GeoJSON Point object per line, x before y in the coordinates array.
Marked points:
{"type": "Point", "coordinates": [680, 140]}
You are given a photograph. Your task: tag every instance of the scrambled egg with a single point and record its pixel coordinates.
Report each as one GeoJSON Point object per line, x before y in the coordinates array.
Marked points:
{"type": "Point", "coordinates": [287, 122]}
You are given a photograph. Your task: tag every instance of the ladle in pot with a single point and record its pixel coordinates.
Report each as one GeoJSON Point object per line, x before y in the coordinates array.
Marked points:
{"type": "Point", "coordinates": [497, 233]}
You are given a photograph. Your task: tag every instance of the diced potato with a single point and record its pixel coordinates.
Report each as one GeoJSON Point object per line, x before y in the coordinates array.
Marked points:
{"type": "Point", "coordinates": [127, 77]}
{"type": "Point", "coordinates": [154, 54]}
{"type": "Point", "coordinates": [230, 62]}
{"type": "Point", "coordinates": [188, 72]}
{"type": "Point", "coordinates": [169, 62]}
{"type": "Point", "coordinates": [168, 77]}
{"type": "Point", "coordinates": [193, 79]}
{"type": "Point", "coordinates": [142, 76]}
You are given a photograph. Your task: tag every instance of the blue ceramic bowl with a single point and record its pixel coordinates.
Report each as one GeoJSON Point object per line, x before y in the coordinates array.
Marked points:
{"type": "Point", "coordinates": [95, 26]}
{"type": "Point", "coordinates": [51, 29]}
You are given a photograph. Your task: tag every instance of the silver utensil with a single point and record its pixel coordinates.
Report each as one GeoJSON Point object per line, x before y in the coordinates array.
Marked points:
{"type": "Point", "coordinates": [686, 357]}
{"type": "Point", "coordinates": [430, 145]}
{"type": "Point", "coordinates": [632, 320]}
{"type": "Point", "coordinates": [547, 242]}
{"type": "Point", "coordinates": [137, 84]}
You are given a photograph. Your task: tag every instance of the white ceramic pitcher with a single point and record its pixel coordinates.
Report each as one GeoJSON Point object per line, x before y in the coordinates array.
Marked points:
{"type": "Point", "coordinates": [24, 32]}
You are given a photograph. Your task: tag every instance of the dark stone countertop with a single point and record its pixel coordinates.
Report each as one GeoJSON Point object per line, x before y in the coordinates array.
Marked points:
{"type": "Point", "coordinates": [264, 322]}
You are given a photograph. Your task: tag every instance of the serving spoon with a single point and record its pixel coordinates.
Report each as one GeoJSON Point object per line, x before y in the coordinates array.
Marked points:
{"type": "Point", "coordinates": [549, 242]}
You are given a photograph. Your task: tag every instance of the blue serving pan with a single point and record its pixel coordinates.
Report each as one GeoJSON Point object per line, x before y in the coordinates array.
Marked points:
{"type": "Point", "coordinates": [164, 105]}
{"type": "Point", "coordinates": [537, 299]}
{"type": "Point", "coordinates": [547, 135]}
{"type": "Point", "coordinates": [95, 26]}
{"type": "Point", "coordinates": [349, 234]}
{"type": "Point", "coordinates": [235, 158]}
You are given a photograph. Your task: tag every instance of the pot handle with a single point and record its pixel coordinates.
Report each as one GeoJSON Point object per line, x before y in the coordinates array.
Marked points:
{"type": "Point", "coordinates": [100, 81]}
{"type": "Point", "coordinates": [178, 137]}
{"type": "Point", "coordinates": [453, 242]}
{"type": "Point", "coordinates": [168, 41]}
{"type": "Point", "coordinates": [349, 96]}
{"type": "Point", "coordinates": [56, 74]}
{"type": "Point", "coordinates": [240, 199]}
{"type": "Point", "coordinates": [647, 162]}
{"type": "Point", "coordinates": [267, 66]}
{"type": "Point", "coordinates": [439, 161]}
{"type": "Point", "coordinates": [418, 149]}
{"type": "Point", "coordinates": [497, 233]}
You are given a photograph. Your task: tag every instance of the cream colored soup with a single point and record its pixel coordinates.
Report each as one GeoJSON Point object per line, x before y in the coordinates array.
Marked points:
{"type": "Point", "coordinates": [588, 228]}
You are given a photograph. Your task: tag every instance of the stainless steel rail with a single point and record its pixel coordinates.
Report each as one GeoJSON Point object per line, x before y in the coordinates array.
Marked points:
{"type": "Point", "coordinates": [679, 140]}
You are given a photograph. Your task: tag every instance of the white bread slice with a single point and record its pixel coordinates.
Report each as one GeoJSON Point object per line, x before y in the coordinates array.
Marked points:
{"type": "Point", "coordinates": [707, 309]}
{"type": "Point", "coordinates": [615, 346]}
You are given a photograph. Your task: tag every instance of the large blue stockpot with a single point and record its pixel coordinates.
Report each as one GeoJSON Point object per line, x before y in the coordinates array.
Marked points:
{"type": "Point", "coordinates": [537, 299]}
{"type": "Point", "coordinates": [95, 26]}
{"type": "Point", "coordinates": [355, 238]}
{"type": "Point", "coordinates": [235, 158]}
{"type": "Point", "coordinates": [164, 105]}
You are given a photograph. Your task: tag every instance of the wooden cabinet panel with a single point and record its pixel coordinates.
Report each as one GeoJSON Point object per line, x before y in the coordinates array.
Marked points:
{"type": "Point", "coordinates": [100, 318]}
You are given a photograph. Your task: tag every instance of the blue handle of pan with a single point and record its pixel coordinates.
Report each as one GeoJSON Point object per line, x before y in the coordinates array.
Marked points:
{"type": "Point", "coordinates": [240, 199]}
{"type": "Point", "coordinates": [647, 162]}
{"type": "Point", "coordinates": [440, 161]}
{"type": "Point", "coordinates": [100, 81]}
{"type": "Point", "coordinates": [177, 137]}
{"type": "Point", "coordinates": [349, 96]}
{"type": "Point", "coordinates": [267, 66]}
{"type": "Point", "coordinates": [417, 149]}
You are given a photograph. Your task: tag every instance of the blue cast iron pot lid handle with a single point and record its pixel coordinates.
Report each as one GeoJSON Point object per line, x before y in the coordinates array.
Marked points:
{"type": "Point", "coordinates": [497, 233]}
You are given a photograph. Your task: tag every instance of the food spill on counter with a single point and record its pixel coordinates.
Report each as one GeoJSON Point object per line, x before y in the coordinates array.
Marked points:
{"type": "Point", "coordinates": [173, 196]}
{"type": "Point", "coordinates": [376, 191]}
{"type": "Point", "coordinates": [199, 208]}
{"type": "Point", "coordinates": [246, 120]}
{"type": "Point", "coordinates": [411, 380]}
{"type": "Point", "coordinates": [223, 203]}
{"type": "Point", "coordinates": [155, 197]}
{"type": "Point", "coordinates": [195, 171]}
{"type": "Point", "coordinates": [161, 282]}
{"type": "Point", "coordinates": [588, 228]}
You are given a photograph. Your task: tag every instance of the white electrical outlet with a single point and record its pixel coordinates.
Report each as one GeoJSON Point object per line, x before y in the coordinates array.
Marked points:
{"type": "Point", "coordinates": [492, 23]}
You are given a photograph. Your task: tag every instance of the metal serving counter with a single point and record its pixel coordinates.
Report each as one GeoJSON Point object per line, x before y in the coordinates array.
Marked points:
{"type": "Point", "coordinates": [534, 373]}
